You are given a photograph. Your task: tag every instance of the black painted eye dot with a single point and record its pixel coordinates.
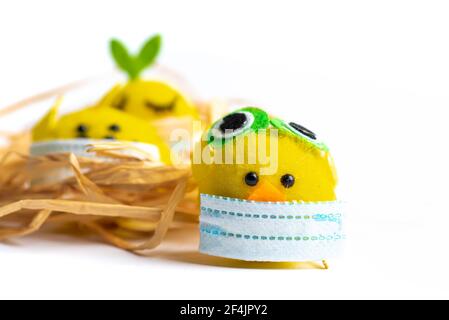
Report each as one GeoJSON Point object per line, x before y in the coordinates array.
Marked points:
{"type": "Point", "coordinates": [288, 180]}
{"type": "Point", "coordinates": [233, 122]}
{"type": "Point", "coordinates": [81, 131]}
{"type": "Point", "coordinates": [81, 128]}
{"type": "Point", "coordinates": [303, 130]}
{"type": "Point", "coordinates": [251, 179]}
{"type": "Point", "coordinates": [114, 128]}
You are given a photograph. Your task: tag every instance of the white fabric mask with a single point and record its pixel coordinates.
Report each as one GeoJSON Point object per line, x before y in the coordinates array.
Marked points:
{"type": "Point", "coordinates": [270, 231]}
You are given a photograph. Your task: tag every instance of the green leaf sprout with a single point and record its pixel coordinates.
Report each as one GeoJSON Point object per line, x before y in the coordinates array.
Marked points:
{"type": "Point", "coordinates": [133, 65]}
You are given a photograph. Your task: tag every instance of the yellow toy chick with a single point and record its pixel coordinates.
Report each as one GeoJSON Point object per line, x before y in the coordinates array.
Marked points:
{"type": "Point", "coordinates": [146, 99]}
{"type": "Point", "coordinates": [305, 170]}
{"type": "Point", "coordinates": [98, 123]}
{"type": "Point", "coordinates": [267, 191]}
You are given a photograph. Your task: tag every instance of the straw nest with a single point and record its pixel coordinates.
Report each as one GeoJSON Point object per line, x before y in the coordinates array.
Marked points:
{"type": "Point", "coordinates": [124, 197]}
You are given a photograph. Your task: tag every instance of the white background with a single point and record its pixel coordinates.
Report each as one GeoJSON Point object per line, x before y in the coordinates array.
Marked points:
{"type": "Point", "coordinates": [371, 77]}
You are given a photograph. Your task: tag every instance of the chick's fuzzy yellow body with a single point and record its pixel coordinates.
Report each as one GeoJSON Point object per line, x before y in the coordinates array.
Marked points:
{"type": "Point", "coordinates": [301, 168]}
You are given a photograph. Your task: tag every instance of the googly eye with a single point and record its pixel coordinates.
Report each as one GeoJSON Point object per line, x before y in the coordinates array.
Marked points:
{"type": "Point", "coordinates": [243, 121]}
{"type": "Point", "coordinates": [287, 180]}
{"type": "Point", "coordinates": [299, 131]}
{"type": "Point", "coordinates": [232, 125]}
{"type": "Point", "coordinates": [251, 179]}
{"type": "Point", "coordinates": [302, 130]}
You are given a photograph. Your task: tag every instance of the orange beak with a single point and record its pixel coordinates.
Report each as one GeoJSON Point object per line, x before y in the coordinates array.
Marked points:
{"type": "Point", "coordinates": [265, 191]}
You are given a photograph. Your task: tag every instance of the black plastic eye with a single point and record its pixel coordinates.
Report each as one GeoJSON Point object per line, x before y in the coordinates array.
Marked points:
{"type": "Point", "coordinates": [233, 122]}
{"type": "Point", "coordinates": [288, 180]}
{"type": "Point", "coordinates": [303, 130]}
{"type": "Point", "coordinates": [232, 125]}
{"type": "Point", "coordinates": [81, 131]}
{"type": "Point", "coordinates": [81, 128]}
{"type": "Point", "coordinates": [114, 128]}
{"type": "Point", "coordinates": [251, 179]}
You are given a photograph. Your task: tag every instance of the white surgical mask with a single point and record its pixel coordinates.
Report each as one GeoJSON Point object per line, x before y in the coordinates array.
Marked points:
{"type": "Point", "coordinates": [270, 231]}
{"type": "Point", "coordinates": [79, 147]}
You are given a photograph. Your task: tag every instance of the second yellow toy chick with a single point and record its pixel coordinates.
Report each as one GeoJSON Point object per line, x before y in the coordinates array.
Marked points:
{"type": "Point", "coordinates": [146, 99]}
